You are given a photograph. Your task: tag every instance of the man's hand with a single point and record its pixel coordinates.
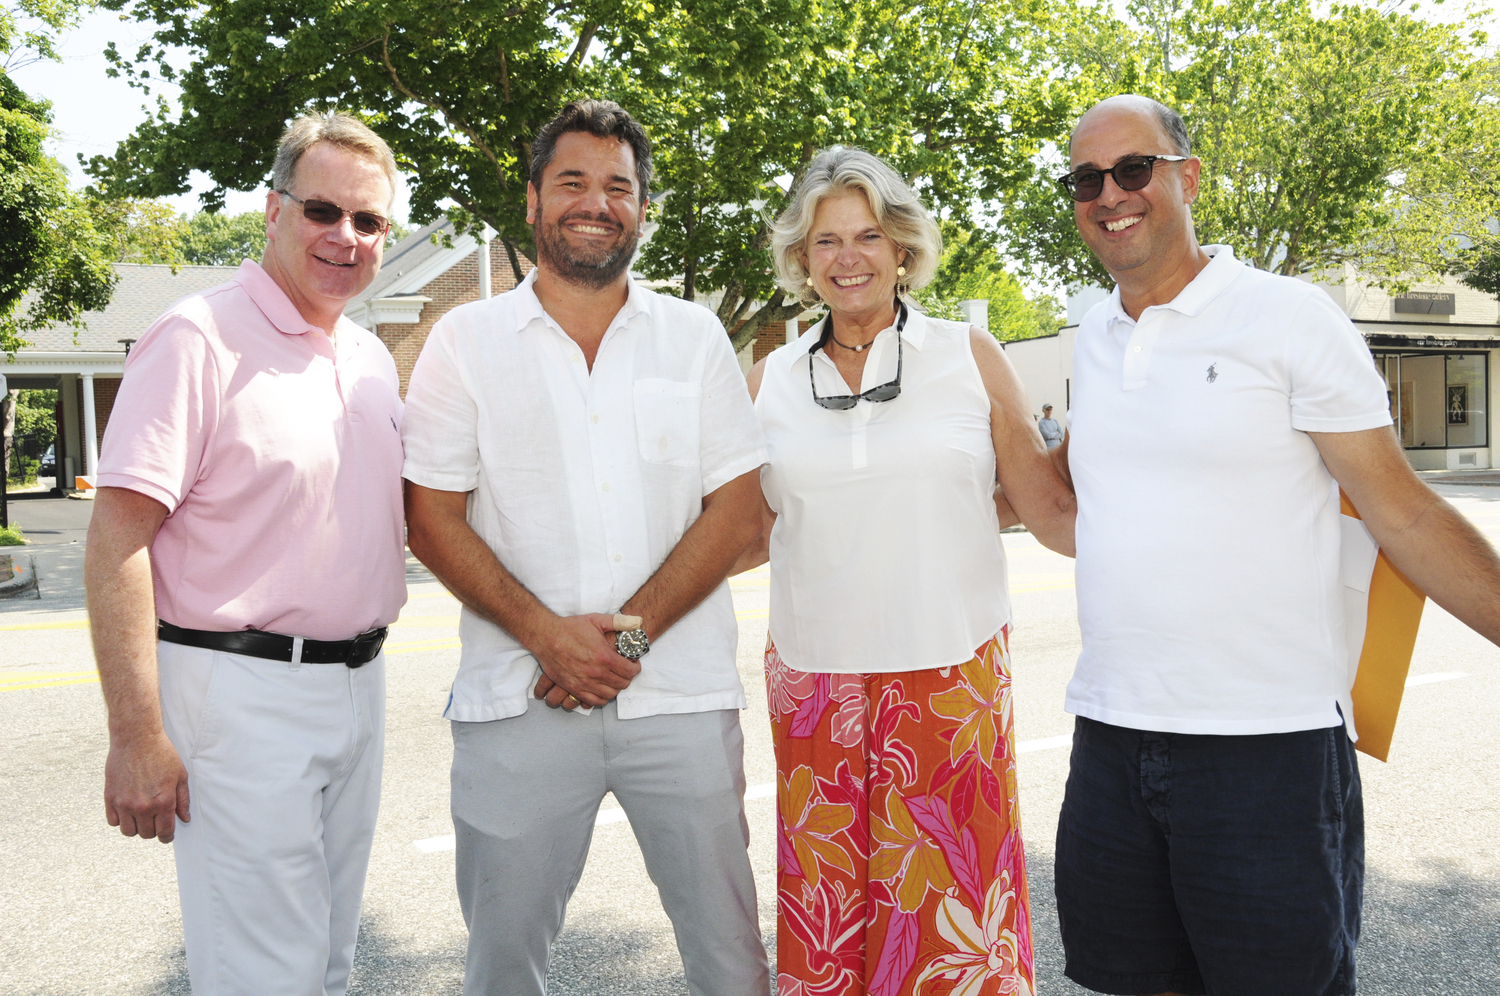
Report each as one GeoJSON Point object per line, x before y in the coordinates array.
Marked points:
{"type": "Point", "coordinates": [579, 662]}
{"type": "Point", "coordinates": [145, 787]}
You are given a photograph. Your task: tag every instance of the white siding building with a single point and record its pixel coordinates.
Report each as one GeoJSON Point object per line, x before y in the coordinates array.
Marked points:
{"type": "Point", "coordinates": [1435, 345]}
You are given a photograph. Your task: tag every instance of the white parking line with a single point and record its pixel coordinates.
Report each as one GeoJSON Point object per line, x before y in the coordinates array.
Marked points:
{"type": "Point", "coordinates": [765, 790]}
{"type": "Point", "coordinates": [1427, 679]}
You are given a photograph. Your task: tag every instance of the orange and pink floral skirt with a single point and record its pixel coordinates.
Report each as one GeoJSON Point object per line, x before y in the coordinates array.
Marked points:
{"type": "Point", "coordinates": [899, 866]}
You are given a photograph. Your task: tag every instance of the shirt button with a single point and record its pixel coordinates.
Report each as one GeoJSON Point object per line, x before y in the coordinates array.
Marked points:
{"type": "Point", "coordinates": [594, 418]}
{"type": "Point", "coordinates": [1137, 349]}
{"type": "Point", "coordinates": [617, 558]}
{"type": "Point", "coordinates": [604, 486]}
{"type": "Point", "coordinates": [576, 357]}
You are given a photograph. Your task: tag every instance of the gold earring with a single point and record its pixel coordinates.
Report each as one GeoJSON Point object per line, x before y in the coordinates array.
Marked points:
{"type": "Point", "coordinates": [900, 271]}
{"type": "Point", "coordinates": [809, 280]}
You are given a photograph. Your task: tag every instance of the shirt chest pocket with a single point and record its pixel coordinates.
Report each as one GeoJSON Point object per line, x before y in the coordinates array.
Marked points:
{"type": "Point", "coordinates": [666, 421]}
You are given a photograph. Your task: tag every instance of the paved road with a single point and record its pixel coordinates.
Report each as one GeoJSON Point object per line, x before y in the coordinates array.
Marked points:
{"type": "Point", "coordinates": [84, 911]}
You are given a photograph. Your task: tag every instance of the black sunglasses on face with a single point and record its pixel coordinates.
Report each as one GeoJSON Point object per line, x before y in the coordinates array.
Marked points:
{"type": "Point", "coordinates": [323, 213]}
{"type": "Point", "coordinates": [881, 392]}
{"type": "Point", "coordinates": [1130, 173]}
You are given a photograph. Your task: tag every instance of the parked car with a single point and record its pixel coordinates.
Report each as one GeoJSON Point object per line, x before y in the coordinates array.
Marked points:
{"type": "Point", "coordinates": [49, 462]}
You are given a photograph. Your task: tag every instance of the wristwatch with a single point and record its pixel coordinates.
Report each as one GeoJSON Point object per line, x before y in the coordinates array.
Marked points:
{"type": "Point", "coordinates": [632, 644]}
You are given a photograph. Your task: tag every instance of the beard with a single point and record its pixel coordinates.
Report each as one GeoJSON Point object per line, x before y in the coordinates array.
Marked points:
{"type": "Point", "coordinates": [593, 266]}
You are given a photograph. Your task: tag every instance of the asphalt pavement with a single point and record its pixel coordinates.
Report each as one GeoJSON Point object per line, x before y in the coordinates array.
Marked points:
{"type": "Point", "coordinates": [86, 911]}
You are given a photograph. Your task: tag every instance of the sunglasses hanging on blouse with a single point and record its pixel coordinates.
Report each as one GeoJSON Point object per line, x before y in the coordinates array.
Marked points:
{"type": "Point", "coordinates": [882, 392]}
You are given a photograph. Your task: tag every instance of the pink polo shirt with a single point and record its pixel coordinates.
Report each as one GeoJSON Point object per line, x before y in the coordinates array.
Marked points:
{"type": "Point", "coordinates": [278, 459]}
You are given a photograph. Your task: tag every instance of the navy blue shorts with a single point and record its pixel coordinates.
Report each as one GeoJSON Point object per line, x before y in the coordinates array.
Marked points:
{"type": "Point", "coordinates": [1225, 865]}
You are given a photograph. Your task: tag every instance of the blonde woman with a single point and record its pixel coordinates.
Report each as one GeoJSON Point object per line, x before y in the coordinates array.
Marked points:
{"type": "Point", "coordinates": [899, 858]}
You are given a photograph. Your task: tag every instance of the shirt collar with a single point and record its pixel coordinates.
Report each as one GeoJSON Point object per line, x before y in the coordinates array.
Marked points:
{"type": "Point", "coordinates": [914, 334]}
{"type": "Point", "coordinates": [529, 307]}
{"type": "Point", "coordinates": [1211, 281]}
{"type": "Point", "coordinates": [272, 300]}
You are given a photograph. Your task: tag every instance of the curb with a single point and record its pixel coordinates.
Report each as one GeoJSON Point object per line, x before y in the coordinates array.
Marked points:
{"type": "Point", "coordinates": [19, 573]}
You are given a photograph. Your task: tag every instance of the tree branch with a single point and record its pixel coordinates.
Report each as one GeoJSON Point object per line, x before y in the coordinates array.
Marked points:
{"type": "Point", "coordinates": [453, 120]}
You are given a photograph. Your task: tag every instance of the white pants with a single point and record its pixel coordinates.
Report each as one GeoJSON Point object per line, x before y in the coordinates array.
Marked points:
{"type": "Point", "coordinates": [283, 771]}
{"type": "Point", "coordinates": [525, 794]}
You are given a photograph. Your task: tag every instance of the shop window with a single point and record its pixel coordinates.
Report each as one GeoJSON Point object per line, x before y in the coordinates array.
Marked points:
{"type": "Point", "coordinates": [1438, 401]}
{"type": "Point", "coordinates": [1467, 401]}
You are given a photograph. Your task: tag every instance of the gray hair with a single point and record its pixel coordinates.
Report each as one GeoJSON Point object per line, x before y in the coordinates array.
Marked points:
{"type": "Point", "coordinates": [1176, 129]}
{"type": "Point", "coordinates": [898, 211]}
{"type": "Point", "coordinates": [343, 130]}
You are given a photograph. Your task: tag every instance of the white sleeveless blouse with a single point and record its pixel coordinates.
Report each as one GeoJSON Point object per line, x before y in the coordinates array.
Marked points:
{"type": "Point", "coordinates": [886, 553]}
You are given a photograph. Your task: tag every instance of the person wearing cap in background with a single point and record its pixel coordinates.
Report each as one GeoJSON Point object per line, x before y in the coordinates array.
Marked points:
{"type": "Point", "coordinates": [1052, 432]}
{"type": "Point", "coordinates": [244, 558]}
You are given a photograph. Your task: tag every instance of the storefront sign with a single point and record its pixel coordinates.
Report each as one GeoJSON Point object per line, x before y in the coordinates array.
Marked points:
{"type": "Point", "coordinates": [1425, 303]}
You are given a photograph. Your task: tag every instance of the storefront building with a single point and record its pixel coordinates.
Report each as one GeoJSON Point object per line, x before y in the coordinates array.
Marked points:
{"type": "Point", "coordinates": [1434, 344]}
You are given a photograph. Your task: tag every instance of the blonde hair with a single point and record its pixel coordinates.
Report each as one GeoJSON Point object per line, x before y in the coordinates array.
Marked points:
{"type": "Point", "coordinates": [343, 130]}
{"type": "Point", "coordinates": [898, 211]}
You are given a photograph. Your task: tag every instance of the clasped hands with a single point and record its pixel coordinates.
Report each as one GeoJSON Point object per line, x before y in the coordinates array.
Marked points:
{"type": "Point", "coordinates": [580, 666]}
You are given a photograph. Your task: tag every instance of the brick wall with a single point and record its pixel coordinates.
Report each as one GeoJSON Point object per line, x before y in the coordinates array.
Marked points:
{"type": "Point", "coordinates": [105, 389]}
{"type": "Point", "coordinates": [765, 344]}
{"type": "Point", "coordinates": [459, 285]}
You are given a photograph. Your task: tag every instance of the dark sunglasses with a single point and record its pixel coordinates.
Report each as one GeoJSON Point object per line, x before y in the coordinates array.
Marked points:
{"type": "Point", "coordinates": [881, 392]}
{"type": "Point", "coordinates": [1130, 173]}
{"type": "Point", "coordinates": [323, 213]}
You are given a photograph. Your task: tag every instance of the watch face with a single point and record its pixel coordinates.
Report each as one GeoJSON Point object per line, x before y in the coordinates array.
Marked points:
{"type": "Point", "coordinates": [632, 643]}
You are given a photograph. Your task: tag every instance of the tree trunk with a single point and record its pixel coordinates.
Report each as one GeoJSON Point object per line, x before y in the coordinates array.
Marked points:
{"type": "Point", "coordinates": [772, 311]}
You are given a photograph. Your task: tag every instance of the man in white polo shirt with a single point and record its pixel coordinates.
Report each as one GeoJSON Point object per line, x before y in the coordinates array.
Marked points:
{"type": "Point", "coordinates": [1212, 836]}
{"type": "Point", "coordinates": [244, 558]}
{"type": "Point", "coordinates": [577, 448]}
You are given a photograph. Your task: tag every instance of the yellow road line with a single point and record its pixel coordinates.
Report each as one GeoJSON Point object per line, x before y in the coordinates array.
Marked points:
{"type": "Point", "coordinates": [74, 624]}
{"type": "Point", "coordinates": [46, 679]}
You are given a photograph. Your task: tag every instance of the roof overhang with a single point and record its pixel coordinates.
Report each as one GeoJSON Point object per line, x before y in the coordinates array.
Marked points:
{"type": "Point", "coordinates": [399, 309]}
{"type": "Point", "coordinates": [110, 364]}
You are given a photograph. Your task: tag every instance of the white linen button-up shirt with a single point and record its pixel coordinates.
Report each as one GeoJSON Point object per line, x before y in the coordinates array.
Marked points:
{"type": "Point", "coordinates": [584, 481]}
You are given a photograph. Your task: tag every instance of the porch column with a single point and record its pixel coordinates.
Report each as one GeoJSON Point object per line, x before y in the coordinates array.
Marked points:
{"type": "Point", "coordinates": [90, 429]}
{"type": "Point", "coordinates": [484, 263]}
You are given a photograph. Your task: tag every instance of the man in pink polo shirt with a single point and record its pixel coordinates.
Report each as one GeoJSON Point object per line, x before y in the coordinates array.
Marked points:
{"type": "Point", "coordinates": [244, 559]}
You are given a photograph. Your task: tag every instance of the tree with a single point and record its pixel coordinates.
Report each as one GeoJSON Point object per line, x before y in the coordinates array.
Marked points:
{"type": "Point", "coordinates": [735, 95]}
{"type": "Point", "coordinates": [971, 270]}
{"type": "Point", "coordinates": [1323, 138]}
{"type": "Point", "coordinates": [457, 90]}
{"type": "Point", "coordinates": [952, 94]}
{"type": "Point", "coordinates": [51, 253]}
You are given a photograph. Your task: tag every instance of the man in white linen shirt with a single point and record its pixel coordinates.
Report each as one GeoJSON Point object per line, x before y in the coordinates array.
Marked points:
{"type": "Point", "coordinates": [1212, 832]}
{"type": "Point", "coordinates": [581, 447]}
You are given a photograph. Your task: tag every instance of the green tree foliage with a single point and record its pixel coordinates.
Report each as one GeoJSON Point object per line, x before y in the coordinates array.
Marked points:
{"type": "Point", "coordinates": [218, 239]}
{"type": "Point", "coordinates": [51, 253]}
{"type": "Point", "coordinates": [952, 94]}
{"type": "Point", "coordinates": [36, 416]}
{"type": "Point", "coordinates": [971, 270]}
{"type": "Point", "coordinates": [735, 95]}
{"type": "Point", "coordinates": [1326, 138]}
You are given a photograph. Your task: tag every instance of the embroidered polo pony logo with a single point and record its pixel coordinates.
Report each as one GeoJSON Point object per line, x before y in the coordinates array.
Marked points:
{"type": "Point", "coordinates": [1213, 374]}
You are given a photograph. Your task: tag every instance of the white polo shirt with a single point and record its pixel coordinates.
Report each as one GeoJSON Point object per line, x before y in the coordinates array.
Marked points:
{"type": "Point", "coordinates": [1209, 587]}
{"type": "Point", "coordinates": [583, 482]}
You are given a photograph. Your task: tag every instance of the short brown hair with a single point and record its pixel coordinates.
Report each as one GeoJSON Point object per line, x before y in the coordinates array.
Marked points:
{"type": "Point", "coordinates": [345, 131]}
{"type": "Point", "coordinates": [602, 119]}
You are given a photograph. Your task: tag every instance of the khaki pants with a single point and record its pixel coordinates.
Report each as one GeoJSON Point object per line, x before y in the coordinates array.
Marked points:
{"type": "Point", "coordinates": [526, 791]}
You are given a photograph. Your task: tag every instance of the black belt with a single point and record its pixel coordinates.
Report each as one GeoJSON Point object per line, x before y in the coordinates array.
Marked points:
{"type": "Point", "coordinates": [274, 647]}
